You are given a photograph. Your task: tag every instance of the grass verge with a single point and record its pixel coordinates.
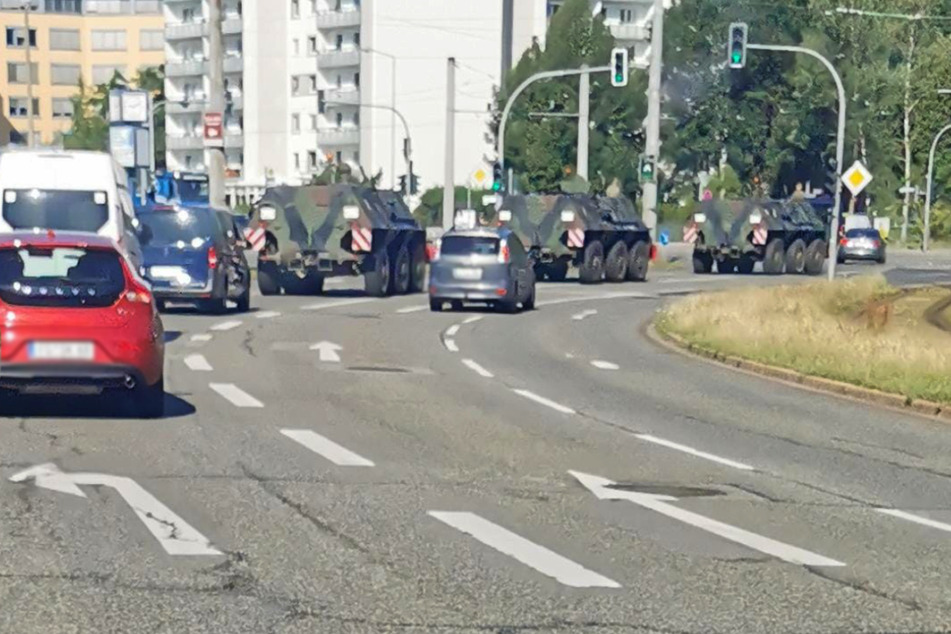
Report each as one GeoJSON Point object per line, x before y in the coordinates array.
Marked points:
{"type": "Point", "coordinates": [860, 331]}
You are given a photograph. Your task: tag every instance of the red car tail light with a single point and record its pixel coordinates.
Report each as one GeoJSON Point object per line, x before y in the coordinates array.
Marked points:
{"type": "Point", "coordinates": [505, 255]}
{"type": "Point", "coordinates": [843, 242]}
{"type": "Point", "coordinates": [212, 258]}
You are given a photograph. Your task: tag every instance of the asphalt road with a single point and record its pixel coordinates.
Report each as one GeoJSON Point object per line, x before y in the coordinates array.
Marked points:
{"type": "Point", "coordinates": [346, 464]}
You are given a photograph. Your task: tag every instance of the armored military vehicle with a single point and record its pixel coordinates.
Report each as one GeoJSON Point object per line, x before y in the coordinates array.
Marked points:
{"type": "Point", "coordinates": [320, 231]}
{"type": "Point", "coordinates": [603, 237]}
{"type": "Point", "coordinates": [735, 234]}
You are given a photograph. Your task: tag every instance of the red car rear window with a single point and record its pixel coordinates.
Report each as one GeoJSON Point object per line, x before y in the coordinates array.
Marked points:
{"type": "Point", "coordinates": [60, 277]}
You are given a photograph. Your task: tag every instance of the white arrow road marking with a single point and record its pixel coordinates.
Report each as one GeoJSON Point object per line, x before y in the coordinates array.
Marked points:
{"type": "Point", "coordinates": [605, 365]}
{"type": "Point", "coordinates": [343, 302]}
{"type": "Point", "coordinates": [924, 521]}
{"type": "Point", "coordinates": [340, 456]}
{"type": "Point", "coordinates": [694, 452]}
{"type": "Point", "coordinates": [450, 345]}
{"type": "Point", "coordinates": [328, 351]}
{"type": "Point", "coordinates": [226, 325]}
{"type": "Point", "coordinates": [452, 330]}
{"type": "Point", "coordinates": [236, 395]}
{"type": "Point", "coordinates": [268, 314]}
{"type": "Point", "coordinates": [472, 320]}
{"type": "Point", "coordinates": [584, 314]}
{"type": "Point", "coordinates": [478, 369]}
{"type": "Point", "coordinates": [545, 561]}
{"type": "Point", "coordinates": [412, 309]}
{"type": "Point", "coordinates": [544, 401]}
{"type": "Point", "coordinates": [661, 504]}
{"type": "Point", "coordinates": [201, 337]}
{"type": "Point", "coordinates": [174, 534]}
{"type": "Point", "coordinates": [198, 363]}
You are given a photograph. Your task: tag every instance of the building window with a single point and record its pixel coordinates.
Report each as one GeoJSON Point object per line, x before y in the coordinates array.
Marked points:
{"type": "Point", "coordinates": [296, 46]}
{"type": "Point", "coordinates": [295, 123]}
{"type": "Point", "coordinates": [356, 117]}
{"type": "Point", "coordinates": [321, 104]}
{"type": "Point", "coordinates": [339, 81]}
{"type": "Point", "coordinates": [296, 161]}
{"type": "Point", "coordinates": [62, 108]}
{"type": "Point", "coordinates": [188, 161]}
{"type": "Point", "coordinates": [339, 119]}
{"type": "Point", "coordinates": [339, 42]}
{"type": "Point", "coordinates": [295, 85]}
{"type": "Point", "coordinates": [313, 6]}
{"type": "Point", "coordinates": [188, 16]}
{"type": "Point", "coordinates": [356, 79]}
{"type": "Point", "coordinates": [16, 37]}
{"type": "Point", "coordinates": [356, 39]}
{"type": "Point", "coordinates": [356, 157]}
{"type": "Point", "coordinates": [312, 44]}
{"type": "Point", "coordinates": [19, 107]}
{"type": "Point", "coordinates": [103, 73]}
{"type": "Point", "coordinates": [103, 40]}
{"type": "Point", "coordinates": [151, 40]}
{"type": "Point", "coordinates": [64, 39]}
{"type": "Point", "coordinates": [627, 15]}
{"type": "Point", "coordinates": [313, 122]}
{"type": "Point", "coordinates": [313, 83]}
{"type": "Point", "coordinates": [64, 74]}
{"type": "Point", "coordinates": [339, 157]}
{"type": "Point", "coordinates": [312, 160]}
{"type": "Point", "coordinates": [17, 73]}
{"type": "Point", "coordinates": [295, 8]}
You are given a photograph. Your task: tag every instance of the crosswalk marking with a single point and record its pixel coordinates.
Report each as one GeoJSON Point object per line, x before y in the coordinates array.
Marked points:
{"type": "Point", "coordinates": [198, 363]}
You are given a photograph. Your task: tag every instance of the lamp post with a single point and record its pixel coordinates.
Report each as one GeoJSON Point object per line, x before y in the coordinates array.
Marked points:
{"type": "Point", "coordinates": [393, 111]}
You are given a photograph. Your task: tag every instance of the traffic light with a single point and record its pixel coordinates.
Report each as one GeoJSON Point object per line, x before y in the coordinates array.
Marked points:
{"type": "Point", "coordinates": [498, 182]}
{"type": "Point", "coordinates": [619, 67]}
{"type": "Point", "coordinates": [738, 35]}
{"type": "Point", "coordinates": [647, 168]}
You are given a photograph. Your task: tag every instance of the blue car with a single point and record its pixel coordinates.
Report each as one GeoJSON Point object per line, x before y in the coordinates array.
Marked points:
{"type": "Point", "coordinates": [194, 255]}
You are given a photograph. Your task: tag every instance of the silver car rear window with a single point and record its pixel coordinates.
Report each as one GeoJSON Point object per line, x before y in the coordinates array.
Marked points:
{"type": "Point", "coordinates": [469, 245]}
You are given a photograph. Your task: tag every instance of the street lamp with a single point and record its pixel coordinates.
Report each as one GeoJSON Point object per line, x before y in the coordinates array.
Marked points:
{"type": "Point", "coordinates": [393, 107]}
{"type": "Point", "coordinates": [926, 234]}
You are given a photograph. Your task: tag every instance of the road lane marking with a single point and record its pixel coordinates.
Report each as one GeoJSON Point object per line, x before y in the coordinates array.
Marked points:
{"type": "Point", "coordinates": [340, 456]}
{"type": "Point", "coordinates": [411, 309]}
{"type": "Point", "coordinates": [343, 302]}
{"type": "Point", "coordinates": [201, 337]}
{"type": "Point", "coordinates": [226, 325]}
{"type": "Point", "coordinates": [328, 351]}
{"type": "Point", "coordinates": [198, 363]}
{"type": "Point", "coordinates": [235, 395]}
{"type": "Point", "coordinates": [450, 345]}
{"type": "Point", "coordinates": [544, 401]}
{"type": "Point", "coordinates": [452, 330]}
{"type": "Point", "coordinates": [605, 365]}
{"type": "Point", "coordinates": [478, 369]}
{"type": "Point", "coordinates": [537, 557]}
{"type": "Point", "coordinates": [268, 314]}
{"type": "Point", "coordinates": [584, 315]}
{"type": "Point", "coordinates": [603, 490]}
{"type": "Point", "coordinates": [917, 519]}
{"type": "Point", "coordinates": [694, 452]}
{"type": "Point", "coordinates": [472, 320]}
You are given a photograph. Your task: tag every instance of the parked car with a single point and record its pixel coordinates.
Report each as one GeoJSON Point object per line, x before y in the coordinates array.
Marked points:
{"type": "Point", "coordinates": [77, 318]}
{"type": "Point", "coordinates": [195, 255]}
{"type": "Point", "coordinates": [481, 264]}
{"type": "Point", "coordinates": [862, 244]}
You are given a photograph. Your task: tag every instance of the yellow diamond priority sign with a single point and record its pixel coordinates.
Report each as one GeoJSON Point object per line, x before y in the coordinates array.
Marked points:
{"type": "Point", "coordinates": [479, 177]}
{"type": "Point", "coordinates": [856, 178]}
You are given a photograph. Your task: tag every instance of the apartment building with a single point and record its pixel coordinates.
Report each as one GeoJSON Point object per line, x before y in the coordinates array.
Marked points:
{"type": "Point", "coordinates": [628, 20]}
{"type": "Point", "coordinates": [69, 40]}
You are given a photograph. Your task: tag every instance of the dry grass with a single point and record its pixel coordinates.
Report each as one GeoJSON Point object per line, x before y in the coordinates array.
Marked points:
{"type": "Point", "coordinates": [861, 331]}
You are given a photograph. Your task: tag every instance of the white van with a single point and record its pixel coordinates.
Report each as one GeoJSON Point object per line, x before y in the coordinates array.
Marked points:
{"type": "Point", "coordinates": [68, 191]}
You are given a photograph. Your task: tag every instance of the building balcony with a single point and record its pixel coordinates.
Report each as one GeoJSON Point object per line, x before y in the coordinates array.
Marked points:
{"type": "Point", "coordinates": [338, 19]}
{"type": "Point", "coordinates": [185, 31]}
{"type": "Point", "coordinates": [231, 24]}
{"type": "Point", "coordinates": [184, 107]}
{"type": "Point", "coordinates": [338, 136]}
{"type": "Point", "coordinates": [233, 64]}
{"type": "Point", "coordinates": [338, 59]}
{"type": "Point", "coordinates": [629, 32]}
{"type": "Point", "coordinates": [342, 97]}
{"type": "Point", "coordinates": [234, 140]}
{"type": "Point", "coordinates": [193, 142]}
{"type": "Point", "coordinates": [185, 68]}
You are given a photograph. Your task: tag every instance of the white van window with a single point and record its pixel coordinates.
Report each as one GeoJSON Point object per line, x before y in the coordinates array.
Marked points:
{"type": "Point", "coordinates": [61, 210]}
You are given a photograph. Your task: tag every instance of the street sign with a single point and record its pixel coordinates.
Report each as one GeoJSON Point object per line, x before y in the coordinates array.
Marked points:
{"type": "Point", "coordinates": [214, 129]}
{"type": "Point", "coordinates": [856, 178]}
{"type": "Point", "coordinates": [122, 144]}
{"type": "Point", "coordinates": [909, 189]}
{"type": "Point", "coordinates": [480, 178]}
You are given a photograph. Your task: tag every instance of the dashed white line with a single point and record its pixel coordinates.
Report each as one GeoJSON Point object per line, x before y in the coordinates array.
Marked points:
{"type": "Point", "coordinates": [226, 325]}
{"type": "Point", "coordinates": [234, 394]}
{"type": "Point", "coordinates": [452, 330]}
{"type": "Point", "coordinates": [917, 519]}
{"type": "Point", "coordinates": [545, 561]}
{"type": "Point", "coordinates": [411, 309]}
{"type": "Point", "coordinates": [268, 314]}
{"type": "Point", "coordinates": [478, 369]}
{"type": "Point", "coordinates": [197, 363]}
{"type": "Point", "coordinates": [450, 345]}
{"type": "Point", "coordinates": [605, 365]}
{"type": "Point", "coordinates": [584, 315]}
{"type": "Point", "coordinates": [694, 452]}
{"type": "Point", "coordinates": [343, 302]}
{"type": "Point", "coordinates": [544, 401]}
{"type": "Point", "coordinates": [473, 319]}
{"type": "Point", "coordinates": [340, 456]}
{"type": "Point", "coordinates": [201, 337]}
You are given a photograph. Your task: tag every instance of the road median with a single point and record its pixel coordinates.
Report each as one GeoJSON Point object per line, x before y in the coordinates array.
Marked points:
{"type": "Point", "coordinates": [859, 338]}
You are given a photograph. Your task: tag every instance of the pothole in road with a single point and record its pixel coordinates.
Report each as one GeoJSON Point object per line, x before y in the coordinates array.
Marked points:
{"type": "Point", "coordinates": [675, 490]}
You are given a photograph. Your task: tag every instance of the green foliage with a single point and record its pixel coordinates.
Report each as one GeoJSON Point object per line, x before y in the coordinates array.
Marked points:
{"type": "Point", "coordinates": [429, 211]}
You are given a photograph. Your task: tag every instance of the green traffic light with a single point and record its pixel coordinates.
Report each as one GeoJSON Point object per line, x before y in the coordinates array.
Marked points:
{"type": "Point", "coordinates": [619, 78]}
{"type": "Point", "coordinates": [737, 57]}
{"type": "Point", "coordinates": [496, 186]}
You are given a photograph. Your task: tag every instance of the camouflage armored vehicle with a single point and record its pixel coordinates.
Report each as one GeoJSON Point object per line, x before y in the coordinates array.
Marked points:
{"type": "Point", "coordinates": [735, 234]}
{"type": "Point", "coordinates": [320, 231]}
{"type": "Point", "coordinates": [603, 237]}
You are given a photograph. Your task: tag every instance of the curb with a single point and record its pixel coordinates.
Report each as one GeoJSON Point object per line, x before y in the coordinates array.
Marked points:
{"type": "Point", "coordinates": [889, 400]}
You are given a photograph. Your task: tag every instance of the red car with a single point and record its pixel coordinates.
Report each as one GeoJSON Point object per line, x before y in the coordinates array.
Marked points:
{"type": "Point", "coordinates": [75, 318]}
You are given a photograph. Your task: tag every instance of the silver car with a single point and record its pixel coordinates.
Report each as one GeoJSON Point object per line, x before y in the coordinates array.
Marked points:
{"type": "Point", "coordinates": [862, 244]}
{"type": "Point", "coordinates": [482, 265]}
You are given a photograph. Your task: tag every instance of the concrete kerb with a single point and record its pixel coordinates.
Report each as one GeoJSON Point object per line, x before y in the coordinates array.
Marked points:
{"type": "Point", "coordinates": [672, 341]}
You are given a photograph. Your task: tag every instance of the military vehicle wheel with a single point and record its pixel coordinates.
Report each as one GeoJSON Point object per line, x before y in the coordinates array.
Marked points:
{"type": "Point", "coordinates": [615, 267]}
{"type": "Point", "coordinates": [745, 265]}
{"type": "Point", "coordinates": [592, 269]}
{"type": "Point", "coordinates": [244, 300]}
{"type": "Point", "coordinates": [775, 257]}
{"type": "Point", "coordinates": [815, 256]}
{"type": "Point", "coordinates": [726, 265]}
{"type": "Point", "coordinates": [268, 280]}
{"type": "Point", "coordinates": [638, 259]}
{"type": "Point", "coordinates": [377, 281]}
{"type": "Point", "coordinates": [418, 281]}
{"type": "Point", "coordinates": [402, 272]}
{"type": "Point", "coordinates": [702, 263]}
{"type": "Point", "coordinates": [435, 305]}
{"type": "Point", "coordinates": [796, 257]}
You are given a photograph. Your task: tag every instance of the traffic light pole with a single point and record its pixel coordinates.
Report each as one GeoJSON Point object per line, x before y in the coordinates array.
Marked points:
{"type": "Point", "coordinates": [652, 136]}
{"type": "Point", "coordinates": [839, 144]}
{"type": "Point", "coordinates": [407, 149]}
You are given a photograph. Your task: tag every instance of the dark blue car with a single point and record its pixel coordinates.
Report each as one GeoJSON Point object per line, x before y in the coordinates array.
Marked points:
{"type": "Point", "coordinates": [194, 255]}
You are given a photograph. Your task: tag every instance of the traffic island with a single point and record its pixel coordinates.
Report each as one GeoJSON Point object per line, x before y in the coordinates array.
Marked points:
{"type": "Point", "coordinates": [860, 337]}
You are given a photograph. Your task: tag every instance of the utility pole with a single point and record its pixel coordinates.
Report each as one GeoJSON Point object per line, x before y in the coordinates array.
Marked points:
{"type": "Point", "coordinates": [649, 208]}
{"type": "Point", "coordinates": [216, 104]}
{"type": "Point", "coordinates": [27, 7]}
{"type": "Point", "coordinates": [449, 189]}
{"type": "Point", "coordinates": [507, 27]}
{"type": "Point", "coordinates": [584, 110]}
